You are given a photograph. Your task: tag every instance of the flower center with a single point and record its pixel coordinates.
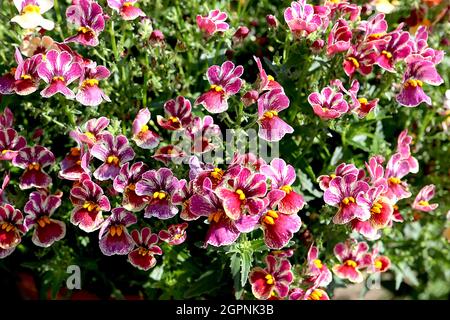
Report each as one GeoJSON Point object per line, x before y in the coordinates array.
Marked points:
{"type": "Point", "coordinates": [270, 114]}
{"type": "Point", "coordinates": [351, 263]}
{"type": "Point", "coordinates": [216, 216]}
{"type": "Point", "coordinates": [216, 87]}
{"type": "Point", "coordinates": [270, 78]}
{"type": "Point", "coordinates": [286, 189]}
{"type": "Point", "coordinates": [6, 151]}
{"type": "Point", "coordinates": [75, 152]}
{"type": "Point", "coordinates": [159, 195]}
{"type": "Point", "coordinates": [413, 83]}
{"type": "Point", "coordinates": [363, 101]}
{"type": "Point", "coordinates": [34, 166]}
{"type": "Point", "coordinates": [354, 61]}
{"type": "Point", "coordinates": [43, 221]}
{"type": "Point", "coordinates": [25, 77]}
{"type": "Point", "coordinates": [332, 176]}
{"type": "Point", "coordinates": [143, 251]}
{"type": "Point", "coordinates": [269, 279]}
{"type": "Point", "coordinates": [378, 264]}
{"type": "Point", "coordinates": [144, 129]}
{"type": "Point", "coordinates": [91, 206]}
{"type": "Point", "coordinates": [315, 295]}
{"type": "Point", "coordinates": [394, 180]}
{"type": "Point", "coordinates": [113, 160]}
{"type": "Point", "coordinates": [116, 230]}
{"type": "Point", "coordinates": [217, 173]}
{"type": "Point", "coordinates": [31, 8]}
{"type": "Point", "coordinates": [270, 217]}
{"type": "Point", "coordinates": [318, 263]}
{"type": "Point", "coordinates": [127, 4]}
{"type": "Point", "coordinates": [241, 194]}
{"type": "Point", "coordinates": [131, 187]}
{"type": "Point", "coordinates": [58, 78]}
{"type": "Point", "coordinates": [424, 203]}
{"type": "Point", "coordinates": [174, 119]}
{"type": "Point", "coordinates": [376, 208]}
{"type": "Point", "coordinates": [7, 226]}
{"type": "Point", "coordinates": [387, 54]}
{"type": "Point", "coordinates": [376, 36]}
{"type": "Point", "coordinates": [90, 83]}
{"type": "Point", "coordinates": [90, 135]}
{"type": "Point", "coordinates": [347, 200]}
{"type": "Point", "coordinates": [85, 30]}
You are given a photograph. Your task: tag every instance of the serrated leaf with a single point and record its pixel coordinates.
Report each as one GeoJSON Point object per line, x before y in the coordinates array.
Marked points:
{"type": "Point", "coordinates": [246, 264]}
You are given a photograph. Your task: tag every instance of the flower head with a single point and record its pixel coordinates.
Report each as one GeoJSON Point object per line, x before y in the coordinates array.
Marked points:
{"type": "Point", "coordinates": [266, 82]}
{"type": "Point", "coordinates": [178, 113]}
{"type": "Point", "coordinates": [89, 93]}
{"type": "Point", "coordinates": [26, 76]}
{"type": "Point", "coordinates": [34, 45]}
{"type": "Point", "coordinates": [301, 18]}
{"type": "Point", "coordinates": [10, 144]}
{"type": "Point", "coordinates": [421, 202]}
{"type": "Point", "coordinates": [92, 132]}
{"type": "Point", "coordinates": [359, 58]}
{"type": "Point", "coordinates": [75, 163]}
{"type": "Point", "coordinates": [6, 119]}
{"type": "Point", "coordinates": [213, 22]}
{"type": "Point", "coordinates": [316, 271]}
{"type": "Point", "coordinates": [340, 37]}
{"type": "Point", "coordinates": [143, 256]}
{"type": "Point", "coordinates": [30, 14]}
{"type": "Point", "coordinates": [11, 229]}
{"type": "Point", "coordinates": [328, 104]}
{"type": "Point", "coordinates": [125, 182]}
{"type": "Point", "coordinates": [396, 169]}
{"type": "Point", "coordinates": [126, 9]}
{"type": "Point", "coordinates": [202, 133]}
{"type": "Point", "coordinates": [175, 234]}
{"type": "Point", "coordinates": [351, 256]}
{"type": "Point", "coordinates": [142, 135]}
{"type": "Point", "coordinates": [403, 147]}
{"type": "Point", "coordinates": [341, 170]}
{"type": "Point", "coordinates": [397, 48]}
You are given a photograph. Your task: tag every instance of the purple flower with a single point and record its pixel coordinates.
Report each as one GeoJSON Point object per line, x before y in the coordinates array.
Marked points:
{"type": "Point", "coordinates": [418, 71]}
{"type": "Point", "coordinates": [205, 176]}
{"type": "Point", "coordinates": [26, 76]}
{"type": "Point", "coordinates": [328, 104]}
{"type": "Point", "coordinates": [346, 194]}
{"type": "Point", "coordinates": [10, 144]}
{"type": "Point", "coordinates": [395, 49]}
{"type": "Point", "coordinates": [183, 197]}
{"type": "Point", "coordinates": [225, 81]}
{"type": "Point", "coordinates": [113, 236]}
{"type": "Point", "coordinates": [88, 16]}
{"type": "Point", "coordinates": [272, 280]}
{"type": "Point", "coordinates": [143, 256]}
{"type": "Point", "coordinates": [178, 113]}
{"type": "Point", "coordinates": [352, 258]}
{"type": "Point", "coordinates": [160, 186]}
{"type": "Point", "coordinates": [75, 163]}
{"type": "Point", "coordinates": [7, 82]}
{"type": "Point", "coordinates": [89, 93]}
{"type": "Point", "coordinates": [339, 39]}
{"type": "Point", "coordinates": [301, 18]}
{"type": "Point", "coordinates": [6, 119]}
{"type": "Point", "coordinates": [59, 70]}
{"type": "Point", "coordinates": [421, 202]}
{"type": "Point", "coordinates": [175, 234]}
{"type": "Point", "coordinates": [114, 152]}
{"type": "Point", "coordinates": [213, 22]}
{"type": "Point", "coordinates": [266, 82]}
{"type": "Point", "coordinates": [282, 177]}
{"type": "Point", "coordinates": [39, 209]}
{"type": "Point", "coordinates": [89, 202]}
{"type": "Point", "coordinates": [142, 135]}
{"type": "Point", "coordinates": [92, 132]}
{"type": "Point", "coordinates": [126, 9]}
{"type": "Point", "coordinates": [271, 127]}
{"type": "Point", "coordinates": [33, 160]}
{"type": "Point", "coordinates": [31, 11]}
{"type": "Point", "coordinates": [11, 229]}
{"type": "Point", "coordinates": [125, 182]}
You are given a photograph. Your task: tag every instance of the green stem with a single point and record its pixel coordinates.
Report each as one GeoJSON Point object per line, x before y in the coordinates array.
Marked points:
{"type": "Point", "coordinates": [113, 41]}
{"type": "Point", "coordinates": [58, 18]}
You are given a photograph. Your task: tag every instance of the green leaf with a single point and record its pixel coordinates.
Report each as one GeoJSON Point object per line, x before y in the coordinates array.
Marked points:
{"type": "Point", "coordinates": [246, 264]}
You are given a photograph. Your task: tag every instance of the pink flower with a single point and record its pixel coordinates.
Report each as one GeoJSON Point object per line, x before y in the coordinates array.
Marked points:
{"type": "Point", "coordinates": [403, 147]}
{"type": "Point", "coordinates": [114, 236]}
{"type": "Point", "coordinates": [160, 187]}
{"type": "Point", "coordinates": [202, 132]}
{"type": "Point", "coordinates": [11, 229]}
{"type": "Point", "coordinates": [342, 8]}
{"type": "Point", "coordinates": [418, 71]}
{"type": "Point", "coordinates": [341, 170]}
{"type": "Point", "coordinates": [89, 202]}
{"type": "Point", "coordinates": [143, 256]}
{"type": "Point", "coordinates": [241, 33]}
{"type": "Point", "coordinates": [88, 16]}
{"type": "Point", "coordinates": [10, 144]}
{"type": "Point", "coordinates": [89, 93]}
{"type": "Point", "coordinates": [179, 115]}
{"type": "Point", "coordinates": [250, 97]}
{"type": "Point", "coordinates": [142, 135]}
{"type": "Point", "coordinates": [92, 131]}
{"type": "Point", "coordinates": [346, 193]}
{"type": "Point", "coordinates": [352, 258]}
{"type": "Point", "coordinates": [7, 82]}
{"type": "Point", "coordinates": [421, 202]}
{"type": "Point", "coordinates": [125, 182]}
{"type": "Point", "coordinates": [328, 104]}
{"type": "Point", "coordinates": [271, 127]}
{"type": "Point", "coordinates": [213, 22]}
{"type": "Point", "coordinates": [26, 76]}
{"type": "Point", "coordinates": [361, 59]}
{"type": "Point", "coordinates": [58, 70]}
{"type": "Point", "coordinates": [33, 160]}
{"type": "Point", "coordinates": [39, 209]}
{"type": "Point", "coordinates": [396, 169]}
{"type": "Point", "coordinates": [225, 82]}
{"type": "Point", "coordinates": [420, 46]}
{"type": "Point", "coordinates": [301, 18]}
{"type": "Point", "coordinates": [377, 263]}
{"type": "Point", "coordinates": [312, 293]}
{"type": "Point", "coordinates": [339, 39]}
{"type": "Point", "coordinates": [374, 28]}
{"type": "Point", "coordinates": [169, 153]}
{"type": "Point", "coordinates": [317, 272]}
{"type": "Point", "coordinates": [126, 9]}
{"type": "Point", "coordinates": [266, 82]}
{"type": "Point", "coordinates": [183, 197]}
{"type": "Point", "coordinates": [282, 177]}
{"type": "Point", "coordinates": [272, 280]}
{"type": "Point", "coordinates": [272, 21]}
{"type": "Point", "coordinates": [205, 177]}
{"type": "Point", "coordinates": [74, 164]}
{"type": "Point", "coordinates": [6, 119]}
{"type": "Point", "coordinates": [395, 49]}
{"type": "Point", "coordinates": [175, 234]}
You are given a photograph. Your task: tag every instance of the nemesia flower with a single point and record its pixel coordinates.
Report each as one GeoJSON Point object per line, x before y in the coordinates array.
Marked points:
{"type": "Point", "coordinates": [88, 16]}
{"type": "Point", "coordinates": [421, 202]}
{"type": "Point", "coordinates": [126, 9]}
{"type": "Point", "coordinates": [5, 183]}
{"type": "Point", "coordinates": [420, 46]}
{"type": "Point", "coordinates": [10, 143]}
{"type": "Point", "coordinates": [341, 9]}
{"type": "Point", "coordinates": [376, 172]}
{"type": "Point", "coordinates": [125, 182]}
{"type": "Point", "coordinates": [266, 82]}
{"type": "Point", "coordinates": [403, 147]}
{"type": "Point", "coordinates": [397, 48]}
{"type": "Point", "coordinates": [418, 71]}
{"type": "Point", "coordinates": [33, 160]}
{"type": "Point", "coordinates": [361, 59]}
{"type": "Point", "coordinates": [346, 193]}
{"type": "Point", "coordinates": [143, 256]}
{"type": "Point", "coordinates": [225, 82]}
{"type": "Point", "coordinates": [341, 170]}
{"type": "Point", "coordinates": [250, 97]}
{"type": "Point", "coordinates": [26, 76]}
{"type": "Point", "coordinates": [248, 160]}
{"type": "Point", "coordinates": [6, 119]}
{"type": "Point", "coordinates": [271, 127]}
{"type": "Point", "coordinates": [89, 93]}
{"type": "Point", "coordinates": [282, 176]}
{"type": "Point", "coordinates": [114, 152]}
{"type": "Point", "coordinates": [328, 104]}
{"type": "Point", "coordinates": [377, 263]}
{"type": "Point", "coordinates": [213, 22]}
{"type": "Point", "coordinates": [205, 176]}
{"type": "Point", "coordinates": [159, 186]}
{"type": "Point", "coordinates": [352, 258]}
{"type": "Point", "coordinates": [91, 132]}
{"type": "Point", "coordinates": [39, 209]}
{"type": "Point", "coordinates": [175, 234]}
{"type": "Point", "coordinates": [312, 293]}
{"type": "Point", "coordinates": [7, 82]}
{"type": "Point", "coordinates": [89, 202]}
{"type": "Point", "coordinates": [11, 229]}
{"type": "Point", "coordinates": [58, 71]}
{"type": "Point", "coordinates": [339, 39]}
{"type": "Point", "coordinates": [243, 194]}
{"type": "Point", "coordinates": [272, 280]}
{"type": "Point", "coordinates": [178, 113]}
{"type": "Point", "coordinates": [384, 6]}
{"type": "Point", "coordinates": [317, 273]}
{"type": "Point", "coordinates": [142, 135]}
{"type": "Point", "coordinates": [156, 37]}
{"type": "Point", "coordinates": [30, 14]}
{"type": "Point", "coordinates": [202, 132]}
{"type": "Point", "coordinates": [272, 21]}
{"type": "Point", "coordinates": [317, 46]}
{"type": "Point", "coordinates": [396, 169]}
{"type": "Point", "coordinates": [32, 45]}
{"type": "Point", "coordinates": [241, 33]}
{"type": "Point", "coordinates": [375, 27]}
{"type": "Point", "coordinates": [183, 198]}
{"type": "Point", "coordinates": [74, 164]}
{"type": "Point", "coordinates": [301, 19]}
{"type": "Point", "coordinates": [169, 153]}
{"type": "Point", "coordinates": [113, 236]}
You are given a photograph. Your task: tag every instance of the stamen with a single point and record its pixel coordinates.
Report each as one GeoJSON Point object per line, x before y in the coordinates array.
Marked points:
{"type": "Point", "coordinates": [286, 189]}
{"type": "Point", "coordinates": [241, 194]}
{"type": "Point", "coordinates": [354, 61]}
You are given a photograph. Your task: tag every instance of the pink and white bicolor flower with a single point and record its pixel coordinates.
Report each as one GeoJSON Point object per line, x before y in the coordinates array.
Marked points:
{"type": "Point", "coordinates": [30, 14]}
{"type": "Point", "coordinates": [125, 182]}
{"type": "Point", "coordinates": [339, 39]}
{"type": "Point", "coordinates": [126, 9]}
{"type": "Point", "coordinates": [26, 75]}
{"type": "Point", "coordinates": [328, 104]}
{"type": "Point", "coordinates": [341, 170]}
{"type": "Point", "coordinates": [396, 168]}
{"type": "Point", "coordinates": [352, 258]}
{"type": "Point", "coordinates": [179, 115]}
{"type": "Point", "coordinates": [317, 273]}
{"type": "Point", "coordinates": [143, 257]}
{"type": "Point", "coordinates": [266, 82]}
{"type": "Point", "coordinates": [10, 144]}
{"type": "Point", "coordinates": [175, 234]}
{"type": "Point", "coordinates": [11, 229]}
{"type": "Point", "coordinates": [91, 132]}
{"type": "Point", "coordinates": [142, 135]}
{"type": "Point", "coordinates": [301, 18]}
{"type": "Point", "coordinates": [421, 202]}
{"type": "Point", "coordinates": [89, 93]}
{"type": "Point", "coordinates": [213, 22]}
